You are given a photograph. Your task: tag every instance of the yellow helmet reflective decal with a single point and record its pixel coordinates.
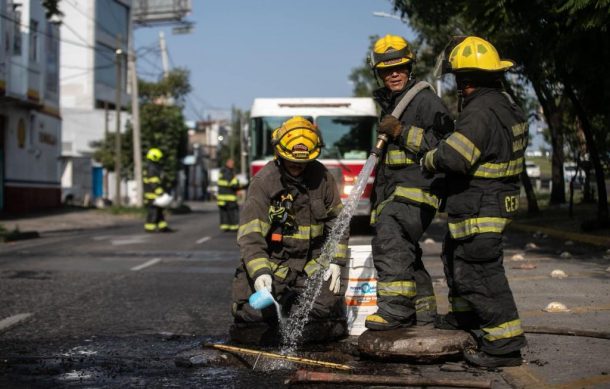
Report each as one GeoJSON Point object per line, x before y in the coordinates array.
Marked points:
{"type": "Point", "coordinates": [391, 50]}
{"type": "Point", "coordinates": [474, 53]}
{"type": "Point", "coordinates": [154, 154]}
{"type": "Point", "coordinates": [297, 140]}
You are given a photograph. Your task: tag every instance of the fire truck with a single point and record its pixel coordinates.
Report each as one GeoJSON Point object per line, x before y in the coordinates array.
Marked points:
{"type": "Point", "coordinates": [347, 126]}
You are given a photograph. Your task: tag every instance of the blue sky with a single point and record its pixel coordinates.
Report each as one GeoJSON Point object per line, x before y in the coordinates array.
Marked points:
{"type": "Point", "coordinates": [243, 49]}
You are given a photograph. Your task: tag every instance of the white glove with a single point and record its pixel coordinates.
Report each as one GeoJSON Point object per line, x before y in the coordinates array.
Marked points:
{"type": "Point", "coordinates": [334, 273]}
{"type": "Point", "coordinates": [263, 282]}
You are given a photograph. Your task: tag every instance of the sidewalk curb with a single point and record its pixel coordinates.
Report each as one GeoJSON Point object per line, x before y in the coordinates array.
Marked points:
{"type": "Point", "coordinates": [14, 236]}
{"type": "Point", "coordinates": [565, 235]}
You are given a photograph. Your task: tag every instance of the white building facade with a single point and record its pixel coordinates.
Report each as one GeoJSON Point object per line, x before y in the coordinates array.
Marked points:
{"type": "Point", "coordinates": [88, 88]}
{"type": "Point", "coordinates": [30, 122]}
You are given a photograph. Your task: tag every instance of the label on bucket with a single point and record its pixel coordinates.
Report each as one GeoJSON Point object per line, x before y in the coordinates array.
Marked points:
{"type": "Point", "coordinates": [361, 292]}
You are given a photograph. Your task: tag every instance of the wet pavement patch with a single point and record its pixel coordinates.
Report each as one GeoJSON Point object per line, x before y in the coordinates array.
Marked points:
{"type": "Point", "coordinates": [26, 274]}
{"type": "Point", "coordinates": [167, 359]}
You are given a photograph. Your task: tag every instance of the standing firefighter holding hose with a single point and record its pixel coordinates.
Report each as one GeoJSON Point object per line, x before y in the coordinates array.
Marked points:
{"type": "Point", "coordinates": [289, 211]}
{"type": "Point", "coordinates": [482, 161]}
{"type": "Point", "coordinates": [404, 200]}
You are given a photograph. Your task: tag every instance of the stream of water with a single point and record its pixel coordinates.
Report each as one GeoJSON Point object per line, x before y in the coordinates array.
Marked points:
{"type": "Point", "coordinates": [292, 327]}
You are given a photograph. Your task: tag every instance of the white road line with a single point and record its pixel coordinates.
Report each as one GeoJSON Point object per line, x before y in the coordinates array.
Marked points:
{"type": "Point", "coordinates": [12, 320]}
{"type": "Point", "coordinates": [146, 264]}
{"type": "Point", "coordinates": [204, 239]}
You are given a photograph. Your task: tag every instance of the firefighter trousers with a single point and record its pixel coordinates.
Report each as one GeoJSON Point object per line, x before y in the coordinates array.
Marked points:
{"type": "Point", "coordinates": [479, 295]}
{"type": "Point", "coordinates": [155, 220]}
{"type": "Point", "coordinates": [229, 216]}
{"type": "Point", "coordinates": [286, 290]}
{"type": "Point", "coordinates": [404, 287]}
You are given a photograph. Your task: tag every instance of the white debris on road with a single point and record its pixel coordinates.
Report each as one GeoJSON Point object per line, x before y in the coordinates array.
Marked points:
{"type": "Point", "coordinates": [565, 255]}
{"type": "Point", "coordinates": [429, 241]}
{"type": "Point", "coordinates": [556, 307]}
{"type": "Point", "coordinates": [559, 274]}
{"type": "Point", "coordinates": [517, 257]}
{"type": "Point", "coordinates": [569, 243]}
{"type": "Point", "coordinates": [531, 246]}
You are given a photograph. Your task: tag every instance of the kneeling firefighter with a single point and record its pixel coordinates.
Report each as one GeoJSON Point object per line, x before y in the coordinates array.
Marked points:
{"type": "Point", "coordinates": [288, 213]}
{"type": "Point", "coordinates": [482, 161]}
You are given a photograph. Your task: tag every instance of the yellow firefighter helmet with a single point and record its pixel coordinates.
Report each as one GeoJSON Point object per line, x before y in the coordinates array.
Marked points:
{"type": "Point", "coordinates": [297, 140]}
{"type": "Point", "coordinates": [476, 54]}
{"type": "Point", "coordinates": [154, 154]}
{"type": "Point", "coordinates": [391, 50]}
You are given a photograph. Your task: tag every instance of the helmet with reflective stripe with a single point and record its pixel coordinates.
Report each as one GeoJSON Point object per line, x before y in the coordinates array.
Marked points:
{"type": "Point", "coordinates": [391, 50]}
{"type": "Point", "coordinates": [476, 54]}
{"type": "Point", "coordinates": [297, 140]}
{"type": "Point", "coordinates": [154, 154]}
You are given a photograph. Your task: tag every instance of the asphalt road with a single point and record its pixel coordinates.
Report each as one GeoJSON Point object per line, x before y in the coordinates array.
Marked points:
{"type": "Point", "coordinates": [115, 307]}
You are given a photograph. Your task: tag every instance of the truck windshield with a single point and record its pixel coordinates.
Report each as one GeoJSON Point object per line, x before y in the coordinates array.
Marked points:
{"type": "Point", "coordinates": [345, 137]}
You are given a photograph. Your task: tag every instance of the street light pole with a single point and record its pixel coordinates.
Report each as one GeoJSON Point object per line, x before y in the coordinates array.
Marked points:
{"type": "Point", "coordinates": [117, 134]}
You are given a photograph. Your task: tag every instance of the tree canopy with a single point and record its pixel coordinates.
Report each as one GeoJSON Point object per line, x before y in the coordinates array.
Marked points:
{"type": "Point", "coordinates": [162, 126]}
{"type": "Point", "coordinates": [560, 48]}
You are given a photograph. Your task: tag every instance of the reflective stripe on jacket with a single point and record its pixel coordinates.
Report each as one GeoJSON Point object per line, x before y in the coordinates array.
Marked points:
{"type": "Point", "coordinates": [398, 177]}
{"type": "Point", "coordinates": [265, 248]}
{"type": "Point", "coordinates": [228, 185]}
{"type": "Point", "coordinates": [153, 182]}
{"type": "Point", "coordinates": [482, 160]}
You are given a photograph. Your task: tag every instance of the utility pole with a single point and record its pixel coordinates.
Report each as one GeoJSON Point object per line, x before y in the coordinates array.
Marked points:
{"type": "Point", "coordinates": [135, 117]}
{"type": "Point", "coordinates": [117, 137]}
{"type": "Point", "coordinates": [106, 130]}
{"type": "Point", "coordinates": [242, 145]}
{"type": "Point", "coordinates": [135, 124]}
{"type": "Point", "coordinates": [164, 58]}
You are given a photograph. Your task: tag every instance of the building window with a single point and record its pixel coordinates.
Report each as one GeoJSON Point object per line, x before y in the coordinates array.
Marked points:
{"type": "Point", "coordinates": [17, 33]}
{"type": "Point", "coordinates": [52, 60]}
{"type": "Point", "coordinates": [33, 40]}
{"type": "Point", "coordinates": [105, 66]}
{"type": "Point", "coordinates": [115, 16]}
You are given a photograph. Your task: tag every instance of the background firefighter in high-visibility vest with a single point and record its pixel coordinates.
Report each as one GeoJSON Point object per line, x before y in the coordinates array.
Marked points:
{"type": "Point", "coordinates": [289, 211]}
{"type": "Point", "coordinates": [404, 201]}
{"type": "Point", "coordinates": [154, 188]}
{"type": "Point", "coordinates": [228, 185]}
{"type": "Point", "coordinates": [482, 160]}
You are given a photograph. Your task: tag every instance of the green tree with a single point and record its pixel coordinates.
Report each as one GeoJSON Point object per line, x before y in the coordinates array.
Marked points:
{"type": "Point", "coordinates": [162, 126]}
{"type": "Point", "coordinates": [558, 47]}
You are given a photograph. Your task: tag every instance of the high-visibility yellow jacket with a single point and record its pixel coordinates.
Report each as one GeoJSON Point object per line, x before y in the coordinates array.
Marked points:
{"type": "Point", "coordinates": [153, 182]}
{"type": "Point", "coordinates": [482, 160]}
{"type": "Point", "coordinates": [398, 176]}
{"type": "Point", "coordinates": [228, 185]}
{"type": "Point", "coordinates": [266, 248]}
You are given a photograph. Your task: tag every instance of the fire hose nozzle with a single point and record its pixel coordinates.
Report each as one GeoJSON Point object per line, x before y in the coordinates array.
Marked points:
{"type": "Point", "coordinates": [382, 139]}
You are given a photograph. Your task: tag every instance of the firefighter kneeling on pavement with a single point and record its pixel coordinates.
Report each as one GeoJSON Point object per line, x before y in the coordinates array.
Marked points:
{"type": "Point", "coordinates": [482, 161]}
{"type": "Point", "coordinates": [153, 190]}
{"type": "Point", "coordinates": [289, 211]}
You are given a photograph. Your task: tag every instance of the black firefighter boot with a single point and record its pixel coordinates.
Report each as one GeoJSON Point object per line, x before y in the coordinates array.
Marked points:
{"type": "Point", "coordinates": [483, 359]}
{"type": "Point", "coordinates": [382, 322]}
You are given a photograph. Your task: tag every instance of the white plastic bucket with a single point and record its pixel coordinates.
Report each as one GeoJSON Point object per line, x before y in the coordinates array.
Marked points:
{"type": "Point", "coordinates": [361, 294]}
